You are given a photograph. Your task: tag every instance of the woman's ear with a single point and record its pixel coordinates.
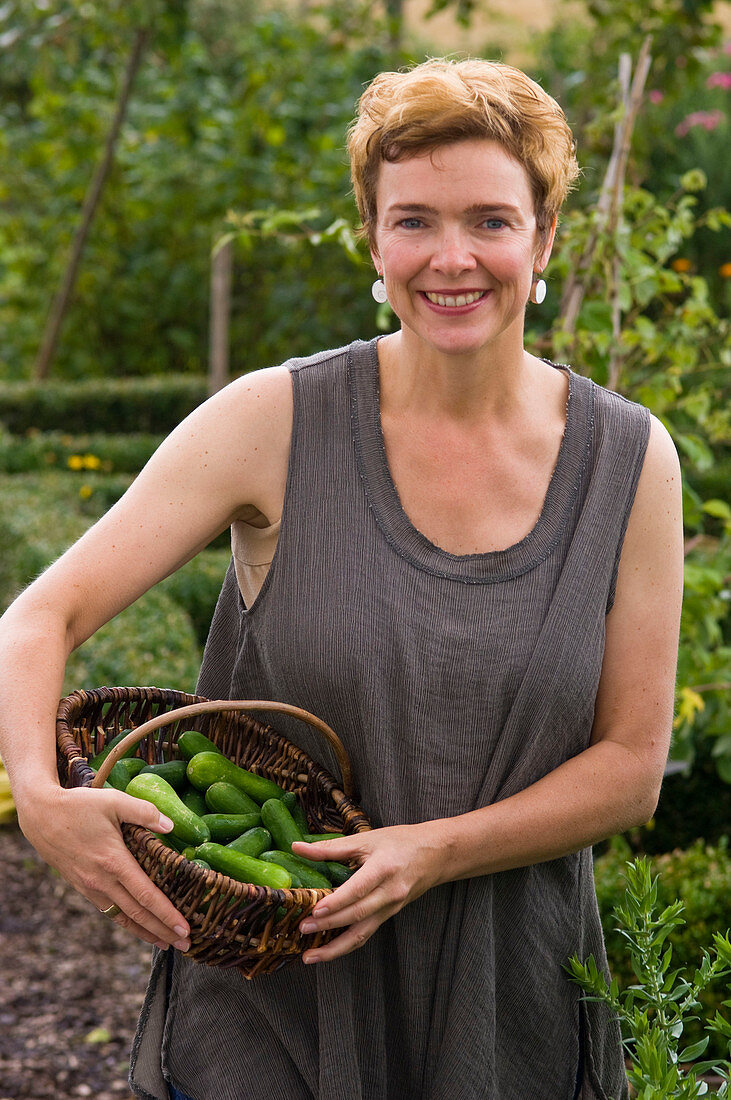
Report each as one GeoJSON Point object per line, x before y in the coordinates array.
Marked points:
{"type": "Point", "coordinates": [544, 253]}
{"type": "Point", "coordinates": [375, 256]}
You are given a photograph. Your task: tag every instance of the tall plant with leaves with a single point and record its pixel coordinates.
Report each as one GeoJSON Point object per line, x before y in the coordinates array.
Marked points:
{"type": "Point", "coordinates": [654, 1012]}
{"type": "Point", "coordinates": [638, 320]}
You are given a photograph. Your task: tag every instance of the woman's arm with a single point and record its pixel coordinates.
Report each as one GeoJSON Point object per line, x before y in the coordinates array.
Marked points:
{"type": "Point", "coordinates": [227, 460]}
{"type": "Point", "coordinates": [611, 786]}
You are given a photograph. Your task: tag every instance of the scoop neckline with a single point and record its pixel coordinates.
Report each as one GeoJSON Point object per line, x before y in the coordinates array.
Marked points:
{"type": "Point", "coordinates": [488, 566]}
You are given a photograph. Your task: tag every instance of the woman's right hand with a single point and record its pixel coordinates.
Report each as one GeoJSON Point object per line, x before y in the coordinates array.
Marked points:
{"type": "Point", "coordinates": [78, 831]}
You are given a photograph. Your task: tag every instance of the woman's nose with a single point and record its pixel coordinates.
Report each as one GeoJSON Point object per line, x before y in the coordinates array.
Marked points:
{"type": "Point", "coordinates": [453, 253]}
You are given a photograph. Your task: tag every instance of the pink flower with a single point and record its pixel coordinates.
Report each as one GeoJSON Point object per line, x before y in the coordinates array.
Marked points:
{"type": "Point", "coordinates": [719, 80]}
{"type": "Point", "coordinates": [656, 96]}
{"type": "Point", "coordinates": [709, 120]}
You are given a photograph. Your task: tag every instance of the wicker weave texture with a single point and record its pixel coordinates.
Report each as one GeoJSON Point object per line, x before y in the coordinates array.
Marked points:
{"type": "Point", "coordinates": [232, 924]}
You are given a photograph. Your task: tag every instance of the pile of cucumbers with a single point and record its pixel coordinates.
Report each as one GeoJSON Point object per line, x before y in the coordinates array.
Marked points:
{"type": "Point", "coordinates": [226, 818]}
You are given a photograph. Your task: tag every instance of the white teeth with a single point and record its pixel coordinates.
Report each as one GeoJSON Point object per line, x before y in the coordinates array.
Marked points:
{"type": "Point", "coordinates": [458, 300]}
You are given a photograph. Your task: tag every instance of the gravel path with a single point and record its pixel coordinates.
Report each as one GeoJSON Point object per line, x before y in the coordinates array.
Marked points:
{"type": "Point", "coordinates": [71, 986]}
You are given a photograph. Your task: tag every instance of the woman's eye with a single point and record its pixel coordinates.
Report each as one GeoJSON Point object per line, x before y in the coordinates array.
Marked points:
{"type": "Point", "coordinates": [494, 223]}
{"type": "Point", "coordinates": [411, 223]}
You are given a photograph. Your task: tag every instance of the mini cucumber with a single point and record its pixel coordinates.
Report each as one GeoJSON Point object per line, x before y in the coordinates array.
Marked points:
{"type": "Point", "coordinates": [170, 842]}
{"type": "Point", "coordinates": [293, 804]}
{"type": "Point", "coordinates": [187, 826]}
{"type": "Point", "coordinates": [194, 800]}
{"type": "Point", "coordinates": [315, 838]}
{"type": "Point", "coordinates": [202, 863]}
{"type": "Point", "coordinates": [97, 761]}
{"type": "Point", "coordinates": [224, 798]}
{"type": "Point", "coordinates": [206, 768]}
{"type": "Point", "coordinates": [123, 771]}
{"type": "Point", "coordinates": [298, 868]}
{"type": "Point", "coordinates": [244, 868]}
{"type": "Point", "coordinates": [278, 820]}
{"type": "Point", "coordinates": [173, 771]}
{"type": "Point", "coordinates": [253, 842]}
{"type": "Point", "coordinates": [226, 827]}
{"type": "Point", "coordinates": [192, 742]}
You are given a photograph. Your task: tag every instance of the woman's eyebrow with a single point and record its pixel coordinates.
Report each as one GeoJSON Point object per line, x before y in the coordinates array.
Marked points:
{"type": "Point", "coordinates": [475, 208]}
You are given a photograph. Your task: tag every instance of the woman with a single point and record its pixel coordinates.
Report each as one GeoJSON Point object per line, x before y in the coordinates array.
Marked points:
{"type": "Point", "coordinates": [477, 583]}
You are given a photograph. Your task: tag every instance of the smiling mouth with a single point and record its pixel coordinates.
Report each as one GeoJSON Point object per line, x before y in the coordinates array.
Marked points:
{"type": "Point", "coordinates": [455, 299]}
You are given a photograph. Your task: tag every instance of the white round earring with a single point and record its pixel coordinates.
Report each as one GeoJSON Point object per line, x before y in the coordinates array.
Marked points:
{"type": "Point", "coordinates": [379, 292]}
{"type": "Point", "coordinates": [538, 291]}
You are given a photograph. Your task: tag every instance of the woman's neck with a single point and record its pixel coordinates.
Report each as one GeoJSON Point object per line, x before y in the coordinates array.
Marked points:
{"type": "Point", "coordinates": [419, 379]}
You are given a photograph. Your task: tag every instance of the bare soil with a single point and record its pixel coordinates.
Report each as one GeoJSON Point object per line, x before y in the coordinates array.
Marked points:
{"type": "Point", "coordinates": [71, 986]}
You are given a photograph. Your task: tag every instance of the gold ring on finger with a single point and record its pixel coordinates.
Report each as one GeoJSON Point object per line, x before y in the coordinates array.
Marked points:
{"type": "Point", "coordinates": [111, 912]}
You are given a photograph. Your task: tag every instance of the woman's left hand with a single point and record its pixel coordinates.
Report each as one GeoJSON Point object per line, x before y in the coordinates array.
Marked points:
{"type": "Point", "coordinates": [397, 865]}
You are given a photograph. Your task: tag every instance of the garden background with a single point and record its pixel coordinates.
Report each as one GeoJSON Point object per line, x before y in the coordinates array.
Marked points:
{"type": "Point", "coordinates": [148, 143]}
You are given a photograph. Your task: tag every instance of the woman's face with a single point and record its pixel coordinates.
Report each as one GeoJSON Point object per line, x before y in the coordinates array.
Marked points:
{"type": "Point", "coordinates": [456, 243]}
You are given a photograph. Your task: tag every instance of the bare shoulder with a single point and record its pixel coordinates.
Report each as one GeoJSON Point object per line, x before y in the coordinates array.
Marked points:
{"type": "Point", "coordinates": [242, 435]}
{"type": "Point", "coordinates": [651, 564]}
{"type": "Point", "coordinates": [659, 490]}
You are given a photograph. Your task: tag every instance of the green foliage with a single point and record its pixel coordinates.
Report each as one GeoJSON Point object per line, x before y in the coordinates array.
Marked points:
{"type": "Point", "coordinates": [159, 639]}
{"type": "Point", "coordinates": [115, 405]}
{"type": "Point", "coordinates": [38, 451]}
{"type": "Point", "coordinates": [212, 126]}
{"type": "Point", "coordinates": [663, 1000]}
{"type": "Point", "coordinates": [196, 586]}
{"type": "Point", "coordinates": [150, 643]}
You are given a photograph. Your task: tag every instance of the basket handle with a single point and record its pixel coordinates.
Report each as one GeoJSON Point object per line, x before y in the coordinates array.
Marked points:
{"type": "Point", "coordinates": [209, 705]}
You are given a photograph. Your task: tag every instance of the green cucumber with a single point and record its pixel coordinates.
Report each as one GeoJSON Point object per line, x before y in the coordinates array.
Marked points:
{"type": "Point", "coordinates": [206, 768]}
{"type": "Point", "coordinates": [97, 761]}
{"type": "Point", "coordinates": [187, 826]}
{"type": "Point", "coordinates": [253, 842]}
{"type": "Point", "coordinates": [226, 827]}
{"type": "Point", "coordinates": [293, 804]}
{"type": "Point", "coordinates": [338, 873]}
{"type": "Point", "coordinates": [194, 800]}
{"type": "Point", "coordinates": [315, 838]}
{"type": "Point", "coordinates": [202, 863]}
{"type": "Point", "coordinates": [244, 868]}
{"type": "Point", "coordinates": [173, 771]}
{"type": "Point", "coordinates": [224, 798]}
{"type": "Point", "coordinates": [278, 820]}
{"type": "Point", "coordinates": [298, 868]}
{"type": "Point", "coordinates": [170, 842]}
{"type": "Point", "coordinates": [192, 742]}
{"type": "Point", "coordinates": [123, 771]}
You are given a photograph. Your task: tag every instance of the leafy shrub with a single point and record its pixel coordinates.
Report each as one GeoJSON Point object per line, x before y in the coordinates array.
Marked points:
{"type": "Point", "coordinates": [39, 451]}
{"type": "Point", "coordinates": [701, 877]}
{"type": "Point", "coordinates": [116, 405]}
{"type": "Point", "coordinates": [45, 514]}
{"type": "Point", "coordinates": [151, 643]}
{"type": "Point", "coordinates": [195, 587]}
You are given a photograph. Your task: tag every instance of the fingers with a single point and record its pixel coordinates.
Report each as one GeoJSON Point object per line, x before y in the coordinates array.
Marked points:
{"type": "Point", "coordinates": [350, 940]}
{"type": "Point", "coordinates": [144, 910]}
{"type": "Point", "coordinates": [86, 846]}
{"type": "Point", "coordinates": [137, 811]}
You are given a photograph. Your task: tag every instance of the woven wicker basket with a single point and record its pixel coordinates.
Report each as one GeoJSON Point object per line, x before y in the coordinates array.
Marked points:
{"type": "Point", "coordinates": [232, 924]}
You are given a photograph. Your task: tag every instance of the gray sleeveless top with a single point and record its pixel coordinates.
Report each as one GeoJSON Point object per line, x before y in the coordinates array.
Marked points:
{"type": "Point", "coordinates": [453, 681]}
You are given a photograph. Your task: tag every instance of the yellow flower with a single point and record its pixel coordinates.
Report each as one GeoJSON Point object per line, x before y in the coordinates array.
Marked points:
{"type": "Point", "coordinates": [75, 462]}
{"type": "Point", "coordinates": [91, 462]}
{"type": "Point", "coordinates": [681, 265]}
{"type": "Point", "coordinates": [689, 704]}
{"type": "Point", "coordinates": [725, 271]}
{"type": "Point", "coordinates": [85, 492]}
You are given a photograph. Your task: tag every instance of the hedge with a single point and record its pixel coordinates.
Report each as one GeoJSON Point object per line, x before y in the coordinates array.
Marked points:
{"type": "Point", "coordinates": [40, 451]}
{"type": "Point", "coordinates": [159, 639]}
{"type": "Point", "coordinates": [151, 643]}
{"type": "Point", "coordinates": [117, 405]}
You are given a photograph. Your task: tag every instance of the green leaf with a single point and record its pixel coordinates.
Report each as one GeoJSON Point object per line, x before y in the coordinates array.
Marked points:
{"type": "Point", "coordinates": [694, 1050]}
